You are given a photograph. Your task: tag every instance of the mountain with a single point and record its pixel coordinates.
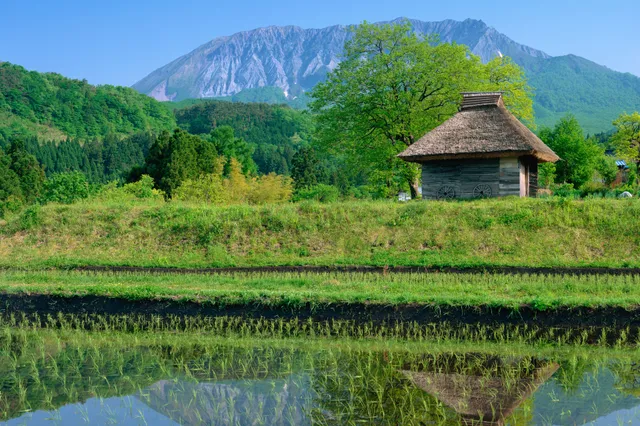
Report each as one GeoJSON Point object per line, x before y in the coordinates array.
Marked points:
{"type": "Point", "coordinates": [295, 59]}
{"type": "Point", "coordinates": [54, 107]}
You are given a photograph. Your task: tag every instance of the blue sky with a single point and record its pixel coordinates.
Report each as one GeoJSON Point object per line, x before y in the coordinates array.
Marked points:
{"type": "Point", "coordinates": [121, 41]}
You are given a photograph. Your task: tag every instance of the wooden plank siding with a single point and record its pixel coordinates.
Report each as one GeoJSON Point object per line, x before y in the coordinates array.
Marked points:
{"type": "Point", "coordinates": [509, 177]}
{"type": "Point", "coordinates": [503, 175]}
{"type": "Point", "coordinates": [462, 175]}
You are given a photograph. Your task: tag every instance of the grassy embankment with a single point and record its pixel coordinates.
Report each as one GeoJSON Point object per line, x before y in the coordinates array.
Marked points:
{"type": "Point", "coordinates": [538, 233]}
{"type": "Point", "coordinates": [531, 232]}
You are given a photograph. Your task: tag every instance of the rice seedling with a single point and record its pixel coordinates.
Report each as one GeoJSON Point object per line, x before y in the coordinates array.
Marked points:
{"type": "Point", "coordinates": [329, 381]}
{"type": "Point", "coordinates": [315, 291]}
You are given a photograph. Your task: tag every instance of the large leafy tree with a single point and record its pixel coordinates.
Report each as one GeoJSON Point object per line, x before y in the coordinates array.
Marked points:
{"type": "Point", "coordinates": [392, 87]}
{"type": "Point", "coordinates": [579, 156]}
{"type": "Point", "coordinates": [626, 140]}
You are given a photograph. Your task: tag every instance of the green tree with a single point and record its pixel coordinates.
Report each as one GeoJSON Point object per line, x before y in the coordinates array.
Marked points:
{"type": "Point", "coordinates": [626, 140]}
{"type": "Point", "coordinates": [10, 189]}
{"type": "Point", "coordinates": [306, 169]}
{"type": "Point", "coordinates": [65, 188]}
{"type": "Point", "coordinates": [175, 158]}
{"type": "Point", "coordinates": [228, 146]}
{"type": "Point", "coordinates": [392, 87]}
{"type": "Point", "coordinates": [502, 74]}
{"type": "Point", "coordinates": [607, 168]}
{"type": "Point", "coordinates": [546, 175]}
{"type": "Point", "coordinates": [579, 155]}
{"type": "Point", "coordinates": [28, 169]}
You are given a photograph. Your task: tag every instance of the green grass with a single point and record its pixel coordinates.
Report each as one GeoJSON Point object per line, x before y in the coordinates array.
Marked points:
{"type": "Point", "coordinates": [290, 290]}
{"type": "Point", "coordinates": [515, 232]}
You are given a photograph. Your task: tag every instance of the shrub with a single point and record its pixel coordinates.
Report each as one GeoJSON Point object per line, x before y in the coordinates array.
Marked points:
{"type": "Point", "coordinates": [30, 218]}
{"type": "Point", "coordinates": [565, 190]}
{"type": "Point", "coordinates": [271, 188]}
{"type": "Point", "coordinates": [607, 168]}
{"type": "Point", "coordinates": [321, 192]}
{"type": "Point", "coordinates": [546, 175]}
{"type": "Point", "coordinates": [11, 205]}
{"type": "Point", "coordinates": [594, 189]}
{"type": "Point", "coordinates": [65, 188]}
{"type": "Point", "coordinates": [207, 188]}
{"type": "Point", "coordinates": [142, 189]}
{"type": "Point", "coordinates": [236, 189]}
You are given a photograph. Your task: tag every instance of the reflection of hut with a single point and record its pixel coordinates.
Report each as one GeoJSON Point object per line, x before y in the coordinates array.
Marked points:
{"type": "Point", "coordinates": [482, 151]}
{"type": "Point", "coordinates": [481, 395]}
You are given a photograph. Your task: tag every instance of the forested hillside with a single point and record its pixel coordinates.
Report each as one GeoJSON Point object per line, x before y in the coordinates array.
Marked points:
{"type": "Point", "coordinates": [55, 107]}
{"type": "Point", "coordinates": [105, 131]}
{"type": "Point", "coordinates": [102, 160]}
{"type": "Point", "coordinates": [594, 94]}
{"type": "Point", "coordinates": [275, 131]}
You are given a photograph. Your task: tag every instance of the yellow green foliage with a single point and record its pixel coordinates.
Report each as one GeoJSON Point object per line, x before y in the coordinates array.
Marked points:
{"type": "Point", "coordinates": [236, 188]}
{"type": "Point", "coordinates": [206, 189]}
{"type": "Point", "coordinates": [142, 189]}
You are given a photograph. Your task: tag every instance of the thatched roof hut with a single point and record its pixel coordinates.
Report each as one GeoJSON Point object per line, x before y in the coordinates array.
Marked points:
{"type": "Point", "coordinates": [483, 128]}
{"type": "Point", "coordinates": [483, 143]}
{"type": "Point", "coordinates": [481, 399]}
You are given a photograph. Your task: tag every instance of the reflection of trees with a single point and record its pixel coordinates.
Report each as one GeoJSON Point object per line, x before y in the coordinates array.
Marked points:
{"type": "Point", "coordinates": [362, 387]}
{"type": "Point", "coordinates": [628, 377]}
{"type": "Point", "coordinates": [256, 383]}
{"type": "Point", "coordinates": [572, 372]}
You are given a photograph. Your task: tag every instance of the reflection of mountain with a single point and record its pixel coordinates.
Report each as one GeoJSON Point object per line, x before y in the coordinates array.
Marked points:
{"type": "Point", "coordinates": [481, 390]}
{"type": "Point", "coordinates": [246, 402]}
{"type": "Point", "coordinates": [591, 402]}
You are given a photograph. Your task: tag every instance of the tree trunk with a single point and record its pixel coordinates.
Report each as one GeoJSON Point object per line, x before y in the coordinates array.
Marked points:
{"type": "Point", "coordinates": [414, 187]}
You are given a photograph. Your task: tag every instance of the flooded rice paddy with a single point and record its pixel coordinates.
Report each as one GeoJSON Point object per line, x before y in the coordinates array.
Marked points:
{"type": "Point", "coordinates": [99, 376]}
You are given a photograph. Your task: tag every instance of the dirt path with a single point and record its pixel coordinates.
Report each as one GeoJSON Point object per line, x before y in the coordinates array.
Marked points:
{"type": "Point", "coordinates": [510, 270]}
{"type": "Point", "coordinates": [43, 305]}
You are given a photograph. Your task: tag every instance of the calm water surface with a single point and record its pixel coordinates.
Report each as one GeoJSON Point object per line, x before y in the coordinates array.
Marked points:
{"type": "Point", "coordinates": [58, 382]}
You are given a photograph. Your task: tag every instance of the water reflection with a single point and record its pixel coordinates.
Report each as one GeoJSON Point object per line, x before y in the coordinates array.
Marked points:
{"type": "Point", "coordinates": [481, 389]}
{"type": "Point", "coordinates": [224, 384]}
{"type": "Point", "coordinates": [244, 402]}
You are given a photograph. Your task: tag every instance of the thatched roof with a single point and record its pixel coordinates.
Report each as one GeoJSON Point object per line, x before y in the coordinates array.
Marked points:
{"type": "Point", "coordinates": [483, 128]}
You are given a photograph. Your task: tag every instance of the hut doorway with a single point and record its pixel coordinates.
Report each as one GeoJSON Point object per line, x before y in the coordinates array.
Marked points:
{"type": "Point", "coordinates": [524, 178]}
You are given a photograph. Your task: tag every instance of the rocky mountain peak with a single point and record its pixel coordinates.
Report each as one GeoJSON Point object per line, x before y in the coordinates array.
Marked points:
{"type": "Point", "coordinates": [287, 56]}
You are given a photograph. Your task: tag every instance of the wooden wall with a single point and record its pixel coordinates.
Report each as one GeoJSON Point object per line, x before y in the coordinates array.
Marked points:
{"type": "Point", "coordinates": [462, 175]}
{"type": "Point", "coordinates": [509, 177]}
{"type": "Point", "coordinates": [501, 174]}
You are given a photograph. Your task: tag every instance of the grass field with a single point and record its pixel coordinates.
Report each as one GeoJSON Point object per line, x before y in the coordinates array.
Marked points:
{"type": "Point", "coordinates": [514, 232]}
{"type": "Point", "coordinates": [293, 289]}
